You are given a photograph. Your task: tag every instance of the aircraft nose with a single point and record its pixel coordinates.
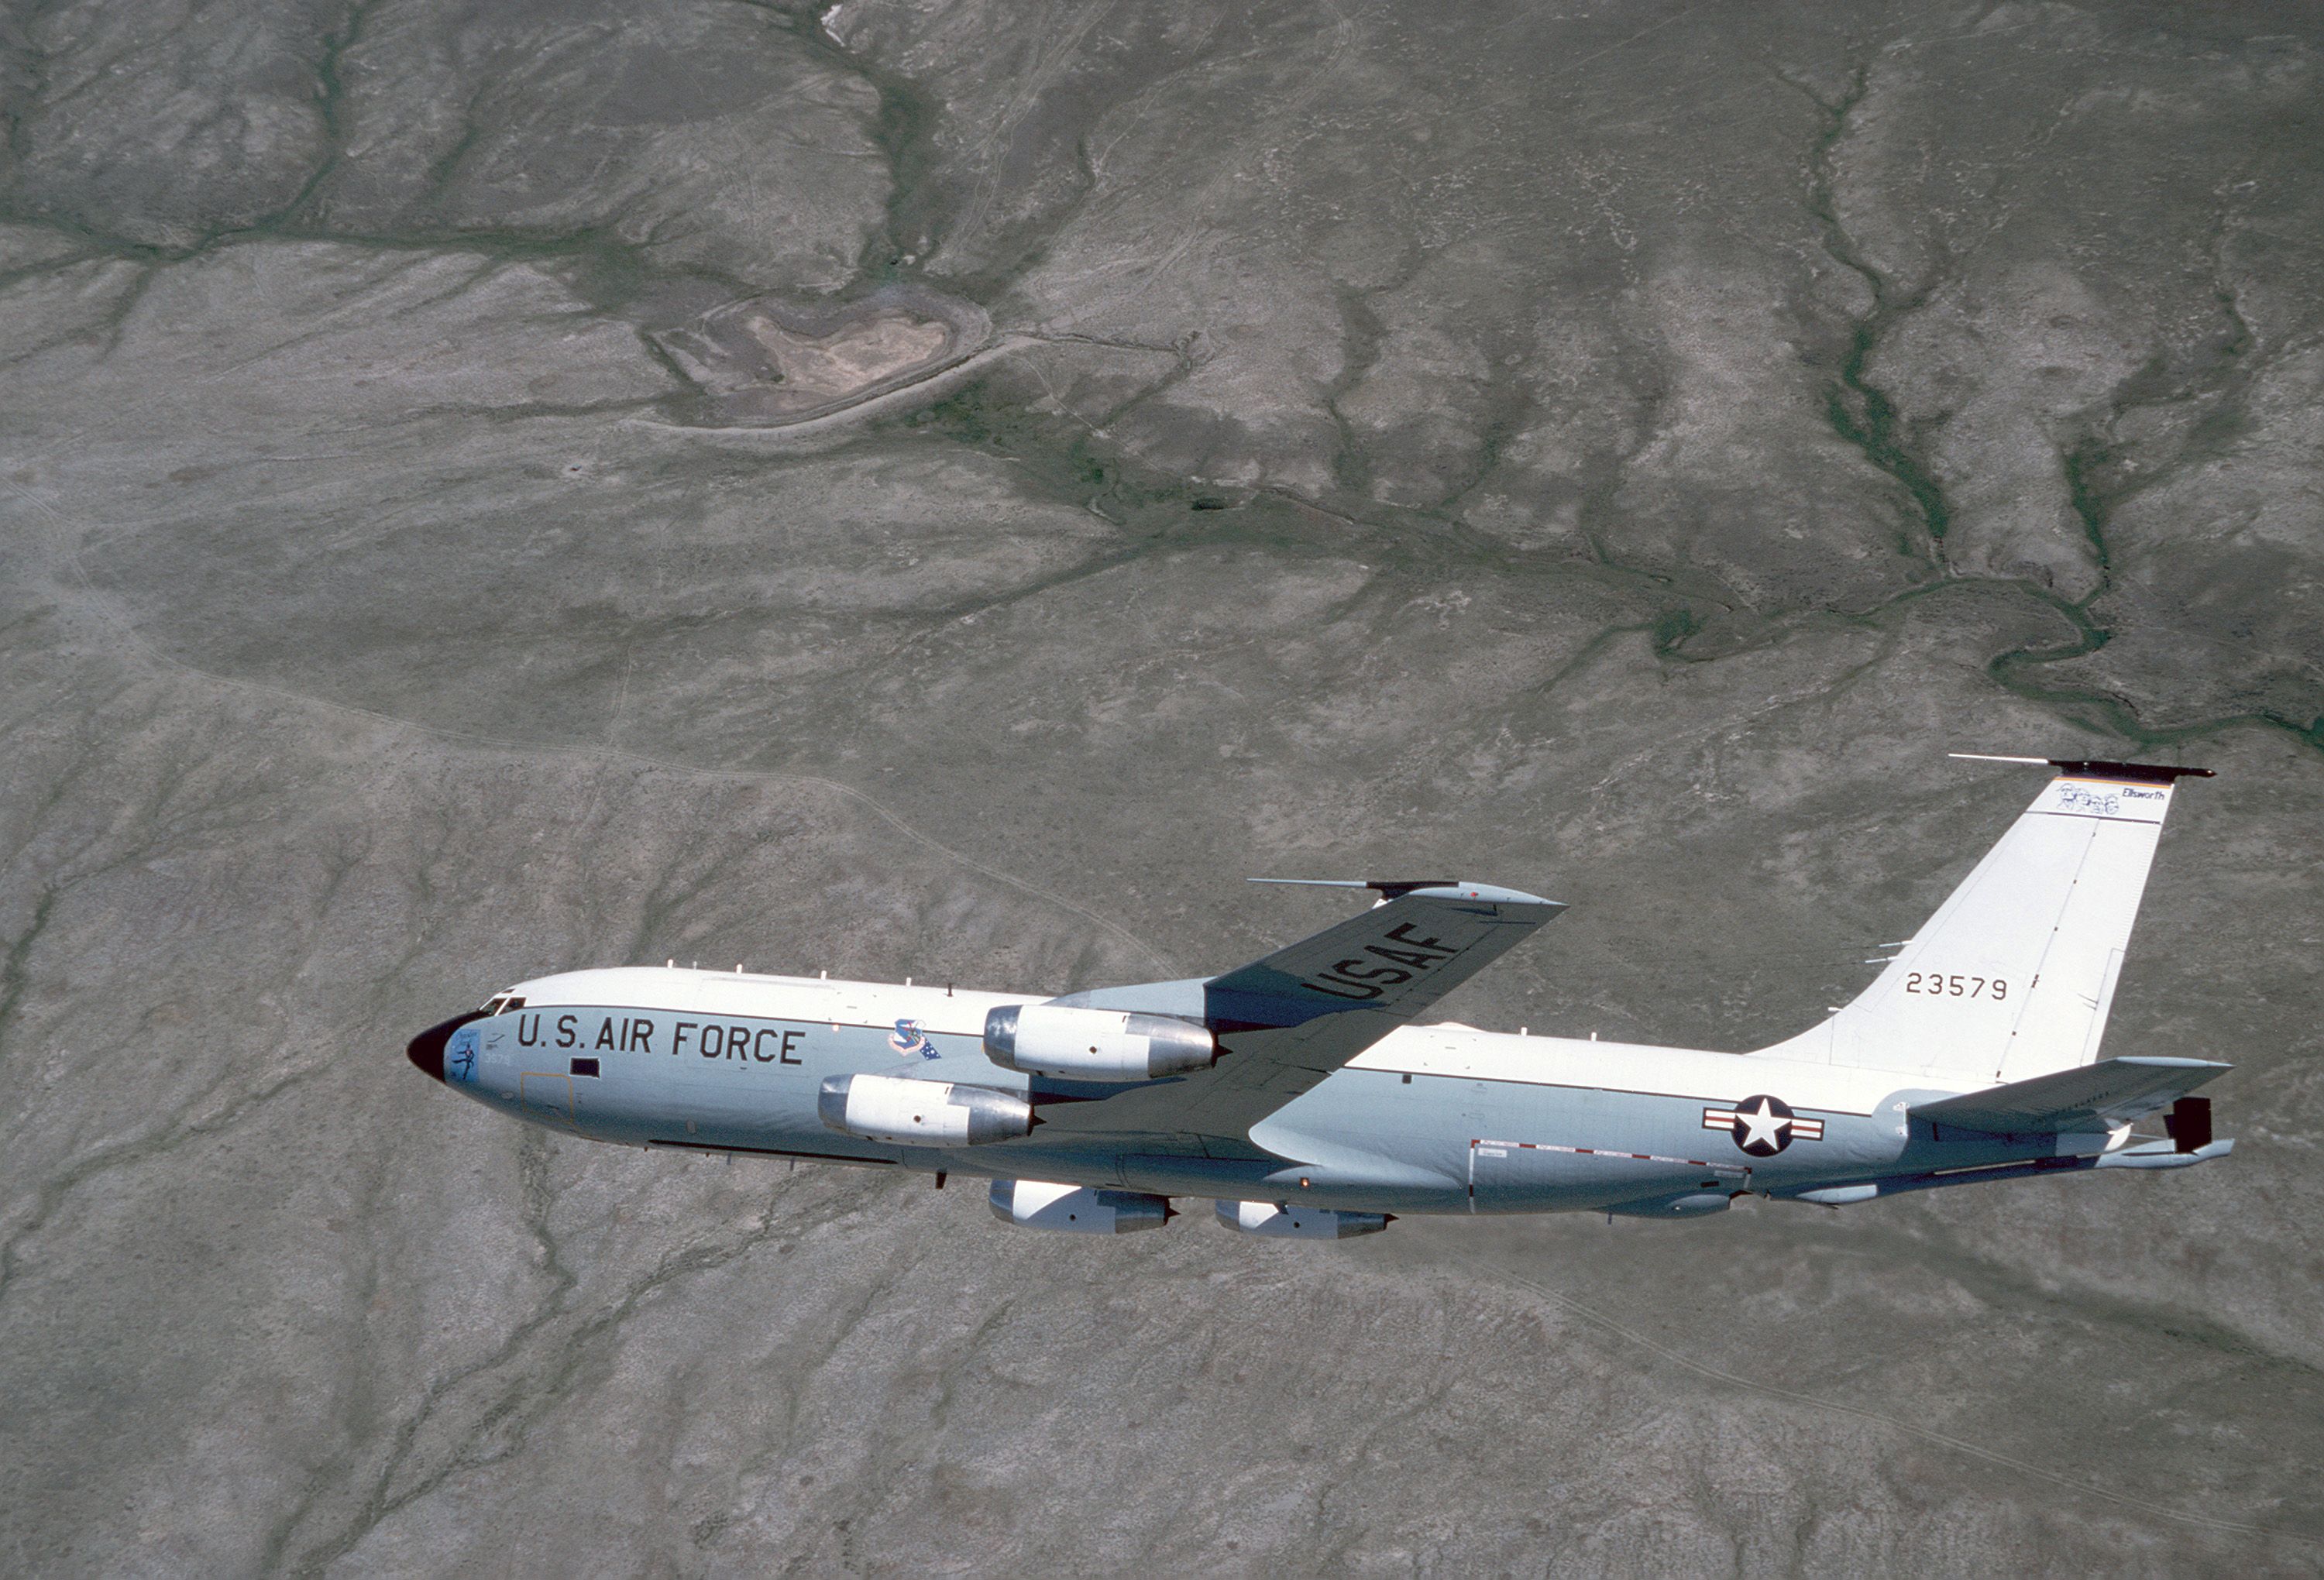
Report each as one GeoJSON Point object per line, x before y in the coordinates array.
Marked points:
{"type": "Point", "coordinates": [426, 1051]}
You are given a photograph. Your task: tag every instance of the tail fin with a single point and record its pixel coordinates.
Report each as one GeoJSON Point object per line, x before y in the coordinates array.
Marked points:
{"type": "Point", "coordinates": [2014, 975]}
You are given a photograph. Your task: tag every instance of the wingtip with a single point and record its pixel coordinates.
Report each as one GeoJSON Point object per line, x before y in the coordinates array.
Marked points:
{"type": "Point", "coordinates": [1490, 893]}
{"type": "Point", "coordinates": [1434, 888]}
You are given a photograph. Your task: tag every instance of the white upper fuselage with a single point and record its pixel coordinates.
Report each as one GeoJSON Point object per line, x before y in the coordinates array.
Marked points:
{"type": "Point", "coordinates": [1445, 1048]}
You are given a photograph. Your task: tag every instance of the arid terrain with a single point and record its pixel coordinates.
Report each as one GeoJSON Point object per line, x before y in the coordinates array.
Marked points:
{"type": "Point", "coordinates": [952, 490]}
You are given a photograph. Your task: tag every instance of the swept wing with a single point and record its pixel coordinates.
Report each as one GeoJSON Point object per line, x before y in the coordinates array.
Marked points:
{"type": "Point", "coordinates": [1287, 1020]}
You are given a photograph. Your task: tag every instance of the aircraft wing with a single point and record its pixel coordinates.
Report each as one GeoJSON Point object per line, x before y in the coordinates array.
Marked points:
{"type": "Point", "coordinates": [2090, 1098]}
{"type": "Point", "coordinates": [1286, 1021]}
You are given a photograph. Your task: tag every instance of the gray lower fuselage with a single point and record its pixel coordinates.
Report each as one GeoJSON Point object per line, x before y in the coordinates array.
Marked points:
{"type": "Point", "coordinates": [1434, 1119]}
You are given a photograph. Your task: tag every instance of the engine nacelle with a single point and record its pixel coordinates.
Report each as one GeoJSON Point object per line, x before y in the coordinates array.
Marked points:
{"type": "Point", "coordinates": [1077, 1209]}
{"type": "Point", "coordinates": [1284, 1221]}
{"type": "Point", "coordinates": [921, 1113]}
{"type": "Point", "coordinates": [1095, 1045]}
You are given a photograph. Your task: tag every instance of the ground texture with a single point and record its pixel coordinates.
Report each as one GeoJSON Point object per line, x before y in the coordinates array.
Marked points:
{"type": "Point", "coordinates": [950, 490]}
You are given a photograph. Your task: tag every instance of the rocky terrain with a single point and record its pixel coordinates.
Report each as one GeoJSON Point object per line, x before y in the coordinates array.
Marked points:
{"type": "Point", "coordinates": [951, 490]}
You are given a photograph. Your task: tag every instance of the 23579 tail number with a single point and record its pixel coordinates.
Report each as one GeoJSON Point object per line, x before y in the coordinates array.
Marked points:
{"type": "Point", "coordinates": [1938, 984]}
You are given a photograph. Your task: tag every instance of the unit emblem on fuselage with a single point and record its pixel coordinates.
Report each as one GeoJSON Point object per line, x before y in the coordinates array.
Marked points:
{"type": "Point", "coordinates": [460, 1055]}
{"type": "Point", "coordinates": [1763, 1126]}
{"type": "Point", "coordinates": [908, 1039]}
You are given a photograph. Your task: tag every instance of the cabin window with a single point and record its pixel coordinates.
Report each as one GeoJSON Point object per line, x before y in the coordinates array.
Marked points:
{"type": "Point", "coordinates": [585, 1067]}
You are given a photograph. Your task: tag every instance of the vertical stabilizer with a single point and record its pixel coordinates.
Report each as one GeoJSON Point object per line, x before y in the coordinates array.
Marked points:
{"type": "Point", "coordinates": [2014, 975]}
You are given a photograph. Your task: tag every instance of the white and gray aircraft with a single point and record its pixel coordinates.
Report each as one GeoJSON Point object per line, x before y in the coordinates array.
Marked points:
{"type": "Point", "coordinates": [1299, 1093]}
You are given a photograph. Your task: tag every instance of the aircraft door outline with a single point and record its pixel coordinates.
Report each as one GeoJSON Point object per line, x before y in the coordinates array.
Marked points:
{"type": "Point", "coordinates": [548, 1097]}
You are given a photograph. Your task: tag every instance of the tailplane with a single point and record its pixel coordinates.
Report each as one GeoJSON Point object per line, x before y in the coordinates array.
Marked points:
{"type": "Point", "coordinates": [2012, 977]}
{"type": "Point", "coordinates": [2095, 1098]}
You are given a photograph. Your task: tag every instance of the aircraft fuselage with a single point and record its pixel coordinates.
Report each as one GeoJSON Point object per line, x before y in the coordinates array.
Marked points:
{"type": "Point", "coordinates": [1431, 1119]}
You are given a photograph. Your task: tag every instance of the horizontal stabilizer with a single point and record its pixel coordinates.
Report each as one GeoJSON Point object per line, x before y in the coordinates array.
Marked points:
{"type": "Point", "coordinates": [2092, 1098]}
{"type": "Point", "coordinates": [2097, 768]}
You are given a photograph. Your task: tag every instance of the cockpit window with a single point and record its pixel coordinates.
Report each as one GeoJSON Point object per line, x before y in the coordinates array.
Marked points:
{"type": "Point", "coordinates": [501, 1004]}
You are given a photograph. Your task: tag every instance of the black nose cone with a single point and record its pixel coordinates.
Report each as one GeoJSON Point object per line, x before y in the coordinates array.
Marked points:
{"type": "Point", "coordinates": [426, 1049]}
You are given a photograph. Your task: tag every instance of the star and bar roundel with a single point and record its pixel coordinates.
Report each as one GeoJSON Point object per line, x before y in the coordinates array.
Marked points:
{"type": "Point", "coordinates": [1763, 1126]}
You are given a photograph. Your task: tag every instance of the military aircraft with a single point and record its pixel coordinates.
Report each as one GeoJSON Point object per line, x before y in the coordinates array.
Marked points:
{"type": "Point", "coordinates": [1298, 1094]}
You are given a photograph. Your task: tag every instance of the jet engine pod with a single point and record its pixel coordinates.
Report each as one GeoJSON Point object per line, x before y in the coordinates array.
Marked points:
{"type": "Point", "coordinates": [1077, 1209]}
{"type": "Point", "coordinates": [1283, 1221]}
{"type": "Point", "coordinates": [921, 1113]}
{"type": "Point", "coordinates": [1095, 1045]}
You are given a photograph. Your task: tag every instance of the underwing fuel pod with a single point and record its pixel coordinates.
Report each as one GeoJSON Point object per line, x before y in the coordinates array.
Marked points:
{"type": "Point", "coordinates": [1303, 1096]}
